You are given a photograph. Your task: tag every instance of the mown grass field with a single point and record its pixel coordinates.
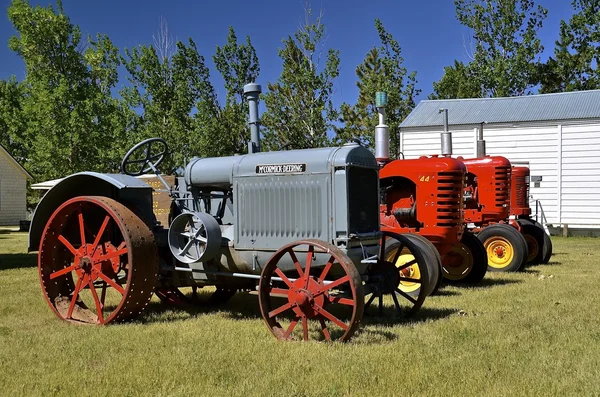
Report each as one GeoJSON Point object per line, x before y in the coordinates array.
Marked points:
{"type": "Point", "coordinates": [536, 332]}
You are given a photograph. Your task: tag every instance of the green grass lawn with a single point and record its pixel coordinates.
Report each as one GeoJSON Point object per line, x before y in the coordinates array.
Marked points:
{"type": "Point", "coordinates": [536, 332]}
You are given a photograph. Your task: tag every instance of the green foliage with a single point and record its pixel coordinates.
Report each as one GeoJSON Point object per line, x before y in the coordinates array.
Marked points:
{"type": "Point", "coordinates": [382, 70]}
{"type": "Point", "coordinates": [299, 111]}
{"type": "Point", "coordinates": [505, 35]}
{"type": "Point", "coordinates": [224, 130]}
{"type": "Point", "coordinates": [11, 118]}
{"type": "Point", "coordinates": [66, 121]}
{"type": "Point", "coordinates": [166, 85]}
{"type": "Point", "coordinates": [457, 82]}
{"type": "Point", "coordinates": [577, 52]}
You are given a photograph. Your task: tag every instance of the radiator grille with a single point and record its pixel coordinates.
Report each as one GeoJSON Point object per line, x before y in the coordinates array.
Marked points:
{"type": "Point", "coordinates": [522, 191]}
{"type": "Point", "coordinates": [501, 186]}
{"type": "Point", "coordinates": [363, 200]}
{"type": "Point", "coordinates": [281, 208]}
{"type": "Point", "coordinates": [449, 198]}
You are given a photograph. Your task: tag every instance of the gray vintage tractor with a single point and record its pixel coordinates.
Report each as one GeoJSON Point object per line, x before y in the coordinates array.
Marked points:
{"type": "Point", "coordinates": [299, 228]}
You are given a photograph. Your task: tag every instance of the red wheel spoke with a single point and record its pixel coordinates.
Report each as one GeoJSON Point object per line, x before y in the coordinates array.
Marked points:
{"type": "Point", "coordinates": [110, 255]}
{"type": "Point", "coordinates": [290, 329]}
{"type": "Point", "coordinates": [96, 301]}
{"type": "Point", "coordinates": [407, 264]}
{"type": "Point", "coordinates": [343, 301]}
{"type": "Point", "coordinates": [309, 255]}
{"type": "Point", "coordinates": [284, 278]}
{"type": "Point", "coordinates": [280, 309]}
{"type": "Point", "coordinates": [81, 229]}
{"type": "Point", "coordinates": [407, 296]}
{"type": "Point", "coordinates": [324, 328]}
{"type": "Point", "coordinates": [103, 295]}
{"type": "Point", "coordinates": [69, 246]}
{"type": "Point", "coordinates": [305, 328]}
{"type": "Point", "coordinates": [296, 263]}
{"type": "Point", "coordinates": [412, 280]}
{"type": "Point", "coordinates": [100, 233]}
{"type": "Point", "coordinates": [334, 284]}
{"type": "Point", "coordinates": [62, 272]}
{"type": "Point", "coordinates": [75, 295]}
{"type": "Point", "coordinates": [326, 269]}
{"type": "Point", "coordinates": [331, 317]}
{"type": "Point", "coordinates": [111, 283]}
{"type": "Point", "coordinates": [279, 292]}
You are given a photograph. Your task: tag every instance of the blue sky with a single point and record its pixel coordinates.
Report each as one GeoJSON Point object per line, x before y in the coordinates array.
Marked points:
{"type": "Point", "coordinates": [427, 30]}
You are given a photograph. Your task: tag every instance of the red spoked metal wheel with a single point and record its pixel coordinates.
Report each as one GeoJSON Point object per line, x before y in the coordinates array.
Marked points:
{"type": "Point", "coordinates": [323, 293]}
{"type": "Point", "coordinates": [97, 261]}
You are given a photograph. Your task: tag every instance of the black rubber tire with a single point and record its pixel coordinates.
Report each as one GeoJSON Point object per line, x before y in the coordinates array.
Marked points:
{"type": "Point", "coordinates": [534, 236]}
{"type": "Point", "coordinates": [547, 248]}
{"type": "Point", "coordinates": [480, 259]}
{"type": "Point", "coordinates": [511, 235]}
{"type": "Point", "coordinates": [435, 273]}
{"type": "Point", "coordinates": [423, 259]}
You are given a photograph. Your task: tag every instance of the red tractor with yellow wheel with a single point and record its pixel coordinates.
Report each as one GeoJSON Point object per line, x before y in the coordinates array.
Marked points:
{"type": "Point", "coordinates": [487, 206]}
{"type": "Point", "coordinates": [539, 244]}
{"type": "Point", "coordinates": [423, 197]}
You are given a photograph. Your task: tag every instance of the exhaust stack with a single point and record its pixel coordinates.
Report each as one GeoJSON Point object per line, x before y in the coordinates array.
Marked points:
{"type": "Point", "coordinates": [382, 131]}
{"type": "Point", "coordinates": [252, 92]}
{"type": "Point", "coordinates": [480, 141]}
{"type": "Point", "coordinates": [446, 136]}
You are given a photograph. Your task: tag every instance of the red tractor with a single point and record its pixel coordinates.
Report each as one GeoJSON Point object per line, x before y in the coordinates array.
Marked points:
{"type": "Point", "coordinates": [423, 197]}
{"type": "Point", "coordinates": [487, 208]}
{"type": "Point", "coordinates": [539, 244]}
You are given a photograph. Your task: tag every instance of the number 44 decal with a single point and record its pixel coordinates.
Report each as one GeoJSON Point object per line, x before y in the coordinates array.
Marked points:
{"type": "Point", "coordinates": [424, 178]}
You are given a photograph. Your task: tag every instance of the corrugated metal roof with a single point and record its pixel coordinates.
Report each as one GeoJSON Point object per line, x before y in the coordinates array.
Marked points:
{"type": "Point", "coordinates": [560, 106]}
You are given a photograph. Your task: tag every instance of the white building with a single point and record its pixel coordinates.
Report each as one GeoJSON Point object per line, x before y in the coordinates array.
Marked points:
{"type": "Point", "coordinates": [558, 134]}
{"type": "Point", "coordinates": [13, 190]}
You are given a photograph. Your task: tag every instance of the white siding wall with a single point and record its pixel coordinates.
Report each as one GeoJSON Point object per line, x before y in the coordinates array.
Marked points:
{"type": "Point", "coordinates": [12, 192]}
{"type": "Point", "coordinates": [580, 188]}
{"type": "Point", "coordinates": [579, 201]}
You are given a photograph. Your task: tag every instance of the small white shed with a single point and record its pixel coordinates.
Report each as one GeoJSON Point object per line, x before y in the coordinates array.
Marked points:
{"type": "Point", "coordinates": [558, 134]}
{"type": "Point", "coordinates": [13, 190]}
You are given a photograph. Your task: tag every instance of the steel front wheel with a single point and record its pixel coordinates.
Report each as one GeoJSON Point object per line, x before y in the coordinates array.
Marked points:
{"type": "Point", "coordinates": [97, 261]}
{"type": "Point", "coordinates": [506, 248]}
{"type": "Point", "coordinates": [467, 261]}
{"type": "Point", "coordinates": [310, 289]}
{"type": "Point", "coordinates": [547, 247]}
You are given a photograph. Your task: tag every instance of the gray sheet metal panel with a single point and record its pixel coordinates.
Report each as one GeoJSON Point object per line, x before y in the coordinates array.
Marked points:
{"type": "Point", "coordinates": [274, 210]}
{"type": "Point", "coordinates": [213, 172]}
{"type": "Point", "coordinates": [131, 191]}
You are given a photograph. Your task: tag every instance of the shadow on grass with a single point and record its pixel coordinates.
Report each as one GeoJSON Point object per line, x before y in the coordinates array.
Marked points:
{"type": "Point", "coordinates": [490, 282]}
{"type": "Point", "coordinates": [445, 292]}
{"type": "Point", "coordinates": [17, 261]}
{"type": "Point", "coordinates": [244, 306]}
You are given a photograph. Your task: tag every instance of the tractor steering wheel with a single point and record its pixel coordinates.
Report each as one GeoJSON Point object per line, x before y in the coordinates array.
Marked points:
{"type": "Point", "coordinates": [144, 158]}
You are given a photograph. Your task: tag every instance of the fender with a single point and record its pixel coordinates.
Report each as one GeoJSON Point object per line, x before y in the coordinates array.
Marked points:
{"type": "Point", "coordinates": [131, 192]}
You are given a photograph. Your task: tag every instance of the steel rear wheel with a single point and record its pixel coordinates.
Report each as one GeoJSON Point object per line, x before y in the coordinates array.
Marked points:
{"type": "Point", "coordinates": [506, 248]}
{"type": "Point", "coordinates": [467, 261]}
{"type": "Point", "coordinates": [547, 247]}
{"type": "Point", "coordinates": [97, 261]}
{"type": "Point", "coordinates": [320, 297]}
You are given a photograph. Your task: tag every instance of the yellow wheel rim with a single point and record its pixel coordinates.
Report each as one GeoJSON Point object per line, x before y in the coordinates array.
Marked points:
{"type": "Point", "coordinates": [532, 247]}
{"type": "Point", "coordinates": [457, 263]}
{"type": "Point", "coordinates": [499, 251]}
{"type": "Point", "coordinates": [410, 272]}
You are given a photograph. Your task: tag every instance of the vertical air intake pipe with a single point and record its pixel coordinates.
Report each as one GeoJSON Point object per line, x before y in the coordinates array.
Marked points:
{"type": "Point", "coordinates": [480, 142]}
{"type": "Point", "coordinates": [382, 131]}
{"type": "Point", "coordinates": [446, 136]}
{"type": "Point", "coordinates": [252, 91]}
